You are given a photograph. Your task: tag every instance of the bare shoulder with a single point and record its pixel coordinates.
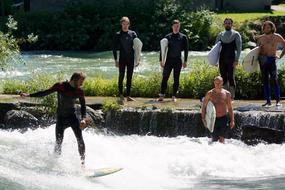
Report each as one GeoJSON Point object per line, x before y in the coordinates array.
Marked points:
{"type": "Point", "coordinates": [278, 36]}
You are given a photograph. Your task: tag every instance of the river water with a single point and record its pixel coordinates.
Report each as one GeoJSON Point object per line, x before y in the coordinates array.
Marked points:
{"type": "Point", "coordinates": [150, 163]}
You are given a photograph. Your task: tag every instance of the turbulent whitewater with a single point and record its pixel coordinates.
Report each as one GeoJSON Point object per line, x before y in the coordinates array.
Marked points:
{"type": "Point", "coordinates": [150, 163]}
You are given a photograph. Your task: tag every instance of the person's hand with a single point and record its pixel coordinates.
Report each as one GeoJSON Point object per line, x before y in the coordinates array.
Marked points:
{"type": "Point", "coordinates": [24, 95]}
{"type": "Point", "coordinates": [184, 65]}
{"type": "Point", "coordinates": [235, 63]}
{"type": "Point", "coordinates": [277, 57]}
{"type": "Point", "coordinates": [117, 64]}
{"type": "Point", "coordinates": [161, 64]}
{"type": "Point", "coordinates": [232, 124]}
{"type": "Point", "coordinates": [82, 124]}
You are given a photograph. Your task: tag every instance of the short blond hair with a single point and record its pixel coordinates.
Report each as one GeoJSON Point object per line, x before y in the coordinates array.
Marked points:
{"type": "Point", "coordinates": [125, 19]}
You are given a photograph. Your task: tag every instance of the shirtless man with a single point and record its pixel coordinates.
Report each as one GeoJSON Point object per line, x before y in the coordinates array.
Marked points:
{"type": "Point", "coordinates": [267, 58]}
{"type": "Point", "coordinates": [221, 99]}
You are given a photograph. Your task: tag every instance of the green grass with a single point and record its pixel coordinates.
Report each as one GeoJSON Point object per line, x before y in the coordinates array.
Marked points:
{"type": "Point", "coordinates": [192, 85]}
{"type": "Point", "coordinates": [243, 16]}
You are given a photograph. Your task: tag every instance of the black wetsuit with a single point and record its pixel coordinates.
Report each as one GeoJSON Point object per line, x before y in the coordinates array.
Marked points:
{"type": "Point", "coordinates": [176, 43]}
{"type": "Point", "coordinates": [226, 61]}
{"type": "Point", "coordinates": [123, 42]}
{"type": "Point", "coordinates": [66, 116]}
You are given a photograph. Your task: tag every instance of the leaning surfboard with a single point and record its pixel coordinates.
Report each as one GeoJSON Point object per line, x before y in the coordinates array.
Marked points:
{"type": "Point", "coordinates": [137, 45]}
{"type": "Point", "coordinates": [250, 62]}
{"type": "Point", "coordinates": [214, 54]}
{"type": "Point", "coordinates": [102, 172]}
{"type": "Point", "coordinates": [163, 50]}
{"type": "Point", "coordinates": [210, 116]}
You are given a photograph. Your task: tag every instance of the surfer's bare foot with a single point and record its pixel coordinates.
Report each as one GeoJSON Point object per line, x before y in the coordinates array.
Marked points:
{"type": "Point", "coordinates": [122, 98]}
{"type": "Point", "coordinates": [174, 99]}
{"type": "Point", "coordinates": [129, 99]}
{"type": "Point", "coordinates": [161, 97]}
{"type": "Point", "coordinates": [267, 105]}
{"type": "Point", "coordinates": [278, 104]}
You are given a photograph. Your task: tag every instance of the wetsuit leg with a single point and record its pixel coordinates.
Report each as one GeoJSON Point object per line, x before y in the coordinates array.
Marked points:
{"type": "Point", "coordinates": [274, 77]}
{"type": "Point", "coordinates": [59, 133]}
{"type": "Point", "coordinates": [224, 71]}
{"type": "Point", "coordinates": [122, 69]}
{"type": "Point", "coordinates": [176, 75]}
{"type": "Point", "coordinates": [130, 71]}
{"type": "Point", "coordinates": [265, 81]}
{"type": "Point", "coordinates": [165, 76]}
{"type": "Point", "coordinates": [75, 125]}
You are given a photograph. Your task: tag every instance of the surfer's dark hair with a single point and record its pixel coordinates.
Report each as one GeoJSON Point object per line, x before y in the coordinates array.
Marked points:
{"type": "Point", "coordinates": [229, 19]}
{"type": "Point", "coordinates": [125, 19]}
{"type": "Point", "coordinates": [176, 21]}
{"type": "Point", "coordinates": [77, 75]}
{"type": "Point", "coordinates": [271, 24]}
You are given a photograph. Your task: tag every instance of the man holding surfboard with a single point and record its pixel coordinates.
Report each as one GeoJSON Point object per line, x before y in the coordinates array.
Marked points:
{"type": "Point", "coordinates": [67, 93]}
{"type": "Point", "coordinates": [123, 42]}
{"type": "Point", "coordinates": [176, 43]}
{"type": "Point", "coordinates": [268, 43]}
{"type": "Point", "coordinates": [221, 99]}
{"type": "Point", "coordinates": [229, 56]}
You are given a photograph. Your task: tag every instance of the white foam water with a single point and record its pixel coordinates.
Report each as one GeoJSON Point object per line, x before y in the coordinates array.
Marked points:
{"type": "Point", "coordinates": [150, 163]}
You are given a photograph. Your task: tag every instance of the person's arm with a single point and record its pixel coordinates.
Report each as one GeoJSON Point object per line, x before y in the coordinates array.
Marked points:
{"type": "Point", "coordinates": [83, 111]}
{"type": "Point", "coordinates": [186, 49]}
{"type": "Point", "coordinates": [230, 110]}
{"type": "Point", "coordinates": [83, 106]}
{"type": "Point", "coordinates": [42, 93]}
{"type": "Point", "coordinates": [281, 41]}
{"type": "Point", "coordinates": [238, 41]}
{"type": "Point", "coordinates": [115, 48]}
{"type": "Point", "coordinates": [218, 38]}
{"type": "Point", "coordinates": [204, 106]}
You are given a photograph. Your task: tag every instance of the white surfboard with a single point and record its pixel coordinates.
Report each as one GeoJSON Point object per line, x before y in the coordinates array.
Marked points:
{"type": "Point", "coordinates": [164, 50]}
{"type": "Point", "coordinates": [137, 45]}
{"type": "Point", "coordinates": [210, 116]}
{"type": "Point", "coordinates": [214, 54]}
{"type": "Point", "coordinates": [102, 172]}
{"type": "Point", "coordinates": [250, 62]}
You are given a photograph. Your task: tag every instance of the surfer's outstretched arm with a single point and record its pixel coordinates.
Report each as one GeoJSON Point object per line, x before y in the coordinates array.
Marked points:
{"type": "Point", "coordinates": [42, 93]}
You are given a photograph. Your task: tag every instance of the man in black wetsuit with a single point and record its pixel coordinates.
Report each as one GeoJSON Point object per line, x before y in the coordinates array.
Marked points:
{"type": "Point", "coordinates": [123, 42]}
{"type": "Point", "coordinates": [67, 93]}
{"type": "Point", "coordinates": [177, 42]}
{"type": "Point", "coordinates": [229, 55]}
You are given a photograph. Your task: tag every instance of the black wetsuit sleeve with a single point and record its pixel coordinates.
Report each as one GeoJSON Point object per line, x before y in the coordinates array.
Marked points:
{"type": "Point", "coordinates": [115, 45]}
{"type": "Point", "coordinates": [186, 48]}
{"type": "Point", "coordinates": [53, 89]}
{"type": "Point", "coordinates": [83, 106]}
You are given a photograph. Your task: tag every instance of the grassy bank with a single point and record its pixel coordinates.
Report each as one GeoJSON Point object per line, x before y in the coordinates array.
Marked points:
{"type": "Point", "coordinates": [192, 85]}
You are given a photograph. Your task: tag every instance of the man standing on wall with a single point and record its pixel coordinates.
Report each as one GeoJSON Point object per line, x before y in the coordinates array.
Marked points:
{"type": "Point", "coordinates": [177, 42]}
{"type": "Point", "coordinates": [267, 58]}
{"type": "Point", "coordinates": [221, 99]}
{"type": "Point", "coordinates": [230, 52]}
{"type": "Point", "coordinates": [123, 42]}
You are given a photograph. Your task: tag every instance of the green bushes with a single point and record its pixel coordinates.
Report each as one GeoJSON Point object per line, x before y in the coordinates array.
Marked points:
{"type": "Point", "coordinates": [91, 26]}
{"type": "Point", "coordinates": [194, 84]}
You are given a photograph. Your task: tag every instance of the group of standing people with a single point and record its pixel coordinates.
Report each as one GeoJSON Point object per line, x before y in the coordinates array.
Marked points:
{"type": "Point", "coordinates": [231, 42]}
